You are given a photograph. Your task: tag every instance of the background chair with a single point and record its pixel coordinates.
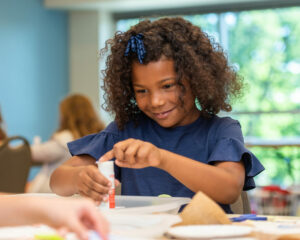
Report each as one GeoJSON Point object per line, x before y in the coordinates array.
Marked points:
{"type": "Point", "coordinates": [15, 162]}
{"type": "Point", "coordinates": [242, 205]}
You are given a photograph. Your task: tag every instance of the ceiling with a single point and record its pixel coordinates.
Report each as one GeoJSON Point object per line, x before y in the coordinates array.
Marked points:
{"type": "Point", "coordinates": [119, 6]}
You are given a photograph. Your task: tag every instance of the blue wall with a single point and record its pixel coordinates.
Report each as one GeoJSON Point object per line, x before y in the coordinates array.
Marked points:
{"type": "Point", "coordinates": [33, 66]}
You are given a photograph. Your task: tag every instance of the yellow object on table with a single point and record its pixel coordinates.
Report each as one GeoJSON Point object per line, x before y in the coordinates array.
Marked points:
{"type": "Point", "coordinates": [48, 237]}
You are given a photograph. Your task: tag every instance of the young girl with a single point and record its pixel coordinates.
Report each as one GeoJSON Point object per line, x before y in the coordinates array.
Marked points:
{"type": "Point", "coordinates": [165, 82]}
{"type": "Point", "coordinates": [77, 119]}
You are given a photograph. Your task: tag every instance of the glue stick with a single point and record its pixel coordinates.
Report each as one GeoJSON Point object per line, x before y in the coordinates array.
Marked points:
{"type": "Point", "coordinates": [107, 170]}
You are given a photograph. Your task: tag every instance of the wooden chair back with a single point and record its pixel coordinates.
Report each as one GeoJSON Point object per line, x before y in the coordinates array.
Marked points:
{"type": "Point", "coordinates": [15, 162]}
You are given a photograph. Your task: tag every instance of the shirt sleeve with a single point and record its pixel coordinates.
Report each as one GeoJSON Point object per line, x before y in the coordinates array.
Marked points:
{"type": "Point", "coordinates": [229, 146]}
{"type": "Point", "coordinates": [95, 145]}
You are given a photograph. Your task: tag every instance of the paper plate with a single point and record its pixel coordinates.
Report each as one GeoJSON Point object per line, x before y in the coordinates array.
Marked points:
{"type": "Point", "coordinates": [208, 231]}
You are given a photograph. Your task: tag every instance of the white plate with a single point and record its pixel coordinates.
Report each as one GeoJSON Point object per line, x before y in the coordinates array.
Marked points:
{"type": "Point", "coordinates": [208, 231]}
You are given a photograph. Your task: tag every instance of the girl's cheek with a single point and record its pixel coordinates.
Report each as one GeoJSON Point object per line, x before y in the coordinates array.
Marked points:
{"type": "Point", "coordinates": [175, 96]}
{"type": "Point", "coordinates": [140, 103]}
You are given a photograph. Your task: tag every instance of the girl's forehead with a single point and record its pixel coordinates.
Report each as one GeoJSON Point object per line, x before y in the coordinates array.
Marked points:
{"type": "Point", "coordinates": [158, 65]}
{"type": "Point", "coordinates": [153, 70]}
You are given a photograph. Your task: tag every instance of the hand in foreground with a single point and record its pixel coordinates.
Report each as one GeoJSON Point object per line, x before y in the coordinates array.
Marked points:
{"type": "Point", "coordinates": [133, 153]}
{"type": "Point", "coordinates": [89, 182]}
{"type": "Point", "coordinates": [75, 215]}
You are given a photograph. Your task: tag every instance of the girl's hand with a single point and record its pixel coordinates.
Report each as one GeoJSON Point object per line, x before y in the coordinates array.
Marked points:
{"type": "Point", "coordinates": [134, 153]}
{"type": "Point", "coordinates": [76, 215]}
{"type": "Point", "coordinates": [89, 182]}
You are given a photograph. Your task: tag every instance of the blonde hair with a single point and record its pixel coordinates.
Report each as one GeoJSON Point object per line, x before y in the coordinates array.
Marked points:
{"type": "Point", "coordinates": [2, 133]}
{"type": "Point", "coordinates": [78, 116]}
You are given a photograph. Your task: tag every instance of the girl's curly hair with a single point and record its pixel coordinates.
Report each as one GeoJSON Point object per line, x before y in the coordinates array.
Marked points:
{"type": "Point", "coordinates": [196, 58]}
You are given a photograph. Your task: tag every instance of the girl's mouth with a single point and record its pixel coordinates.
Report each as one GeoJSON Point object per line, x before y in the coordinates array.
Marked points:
{"type": "Point", "coordinates": [163, 115]}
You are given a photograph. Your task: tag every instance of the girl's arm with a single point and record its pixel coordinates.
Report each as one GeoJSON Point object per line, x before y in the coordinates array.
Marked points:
{"type": "Point", "coordinates": [223, 181]}
{"type": "Point", "coordinates": [79, 175]}
{"type": "Point", "coordinates": [77, 215]}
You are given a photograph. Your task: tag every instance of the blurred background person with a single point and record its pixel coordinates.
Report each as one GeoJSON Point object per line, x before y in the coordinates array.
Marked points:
{"type": "Point", "coordinates": [77, 119]}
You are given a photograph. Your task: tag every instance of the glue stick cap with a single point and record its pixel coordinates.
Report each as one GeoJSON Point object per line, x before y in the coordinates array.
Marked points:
{"type": "Point", "coordinates": [106, 166]}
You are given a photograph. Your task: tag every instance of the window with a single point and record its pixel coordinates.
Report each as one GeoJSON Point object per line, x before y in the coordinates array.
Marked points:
{"type": "Point", "coordinates": [263, 46]}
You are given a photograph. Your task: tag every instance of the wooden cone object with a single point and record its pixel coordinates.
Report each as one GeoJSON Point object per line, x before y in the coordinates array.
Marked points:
{"type": "Point", "coordinates": [202, 210]}
{"type": "Point", "coordinates": [290, 237]}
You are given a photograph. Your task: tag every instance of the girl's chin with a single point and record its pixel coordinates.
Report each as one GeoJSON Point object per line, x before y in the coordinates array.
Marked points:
{"type": "Point", "coordinates": [166, 124]}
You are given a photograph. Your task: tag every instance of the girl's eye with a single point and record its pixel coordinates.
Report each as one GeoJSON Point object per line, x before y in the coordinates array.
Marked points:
{"type": "Point", "coordinates": [167, 86]}
{"type": "Point", "coordinates": [140, 91]}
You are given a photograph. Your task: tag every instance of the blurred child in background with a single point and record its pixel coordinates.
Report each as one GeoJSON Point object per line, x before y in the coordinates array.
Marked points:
{"type": "Point", "coordinates": [77, 119]}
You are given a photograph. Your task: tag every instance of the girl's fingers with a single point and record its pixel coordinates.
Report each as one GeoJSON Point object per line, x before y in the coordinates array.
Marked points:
{"type": "Point", "coordinates": [130, 153]}
{"type": "Point", "coordinates": [120, 163]}
{"type": "Point", "coordinates": [95, 186]}
{"type": "Point", "coordinates": [92, 177]}
{"type": "Point", "coordinates": [143, 153]}
{"type": "Point", "coordinates": [83, 194]}
{"type": "Point", "coordinates": [89, 193]}
{"type": "Point", "coordinates": [119, 150]}
{"type": "Point", "coordinates": [126, 165]}
{"type": "Point", "coordinates": [96, 181]}
{"type": "Point", "coordinates": [107, 156]}
{"type": "Point", "coordinates": [117, 182]}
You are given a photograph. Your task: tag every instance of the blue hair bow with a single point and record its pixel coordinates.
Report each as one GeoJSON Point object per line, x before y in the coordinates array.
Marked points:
{"type": "Point", "coordinates": [135, 44]}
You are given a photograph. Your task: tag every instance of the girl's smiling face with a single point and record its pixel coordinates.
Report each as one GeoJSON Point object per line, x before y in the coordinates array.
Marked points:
{"type": "Point", "coordinates": [157, 94]}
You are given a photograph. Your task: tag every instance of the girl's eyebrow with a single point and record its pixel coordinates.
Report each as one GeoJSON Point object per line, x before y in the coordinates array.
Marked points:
{"type": "Point", "coordinates": [161, 81]}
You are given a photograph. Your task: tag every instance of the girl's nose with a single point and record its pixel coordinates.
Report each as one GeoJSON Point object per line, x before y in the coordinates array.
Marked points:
{"type": "Point", "coordinates": [157, 100]}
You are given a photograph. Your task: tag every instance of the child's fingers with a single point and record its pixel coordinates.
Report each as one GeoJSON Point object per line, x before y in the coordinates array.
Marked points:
{"type": "Point", "coordinates": [89, 193]}
{"type": "Point", "coordinates": [107, 156]}
{"type": "Point", "coordinates": [130, 153]}
{"type": "Point", "coordinates": [78, 227]}
{"type": "Point", "coordinates": [117, 182]}
{"type": "Point", "coordinates": [98, 222]}
{"type": "Point", "coordinates": [127, 165]}
{"type": "Point", "coordinates": [62, 231]}
{"type": "Point", "coordinates": [117, 151]}
{"type": "Point", "coordinates": [98, 181]}
{"type": "Point", "coordinates": [121, 163]}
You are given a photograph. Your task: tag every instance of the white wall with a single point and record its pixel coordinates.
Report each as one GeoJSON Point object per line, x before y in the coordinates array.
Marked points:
{"type": "Point", "coordinates": [88, 32]}
{"type": "Point", "coordinates": [106, 29]}
{"type": "Point", "coordinates": [33, 67]}
{"type": "Point", "coordinates": [83, 45]}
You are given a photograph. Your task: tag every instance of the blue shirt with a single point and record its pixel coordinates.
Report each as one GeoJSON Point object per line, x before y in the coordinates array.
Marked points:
{"type": "Point", "coordinates": [206, 140]}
